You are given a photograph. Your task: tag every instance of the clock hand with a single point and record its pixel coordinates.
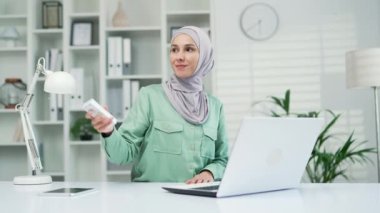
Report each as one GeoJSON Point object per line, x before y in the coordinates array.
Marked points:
{"type": "Point", "coordinates": [260, 27]}
{"type": "Point", "coordinates": [258, 23]}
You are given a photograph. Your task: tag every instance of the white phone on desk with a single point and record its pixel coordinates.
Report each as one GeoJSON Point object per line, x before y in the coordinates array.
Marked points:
{"type": "Point", "coordinates": [67, 192]}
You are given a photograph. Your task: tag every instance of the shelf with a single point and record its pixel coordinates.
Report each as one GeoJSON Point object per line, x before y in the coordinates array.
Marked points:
{"type": "Point", "coordinates": [13, 16]}
{"type": "Point", "coordinates": [8, 111]}
{"type": "Point", "coordinates": [48, 31]}
{"type": "Point", "coordinates": [46, 123]}
{"type": "Point", "coordinates": [12, 144]}
{"type": "Point", "coordinates": [84, 143]}
{"type": "Point", "coordinates": [91, 47]}
{"type": "Point", "coordinates": [188, 12]}
{"type": "Point", "coordinates": [13, 49]}
{"type": "Point", "coordinates": [134, 77]}
{"type": "Point", "coordinates": [119, 172]}
{"type": "Point", "coordinates": [127, 29]}
{"type": "Point", "coordinates": [84, 15]}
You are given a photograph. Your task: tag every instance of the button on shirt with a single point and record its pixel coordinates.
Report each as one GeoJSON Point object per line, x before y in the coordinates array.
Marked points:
{"type": "Point", "coordinates": [163, 146]}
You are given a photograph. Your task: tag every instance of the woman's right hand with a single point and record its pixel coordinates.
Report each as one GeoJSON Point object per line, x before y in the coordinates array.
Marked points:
{"type": "Point", "coordinates": [101, 123]}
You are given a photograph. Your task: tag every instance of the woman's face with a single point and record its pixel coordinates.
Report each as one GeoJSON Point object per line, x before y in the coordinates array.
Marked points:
{"type": "Point", "coordinates": [184, 56]}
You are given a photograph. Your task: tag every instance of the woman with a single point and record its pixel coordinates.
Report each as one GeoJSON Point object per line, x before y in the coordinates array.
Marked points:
{"type": "Point", "coordinates": [174, 131]}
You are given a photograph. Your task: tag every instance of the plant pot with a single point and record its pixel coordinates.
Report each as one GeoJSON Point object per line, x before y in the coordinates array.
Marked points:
{"type": "Point", "coordinates": [85, 137]}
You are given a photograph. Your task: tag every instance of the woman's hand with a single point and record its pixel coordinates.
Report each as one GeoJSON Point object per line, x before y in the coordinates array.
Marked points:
{"type": "Point", "coordinates": [102, 124]}
{"type": "Point", "coordinates": [203, 177]}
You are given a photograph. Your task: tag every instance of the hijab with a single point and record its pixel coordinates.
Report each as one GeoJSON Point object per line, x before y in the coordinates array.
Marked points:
{"type": "Point", "coordinates": [186, 95]}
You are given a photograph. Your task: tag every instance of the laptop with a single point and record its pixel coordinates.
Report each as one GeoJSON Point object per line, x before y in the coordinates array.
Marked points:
{"type": "Point", "coordinates": [269, 154]}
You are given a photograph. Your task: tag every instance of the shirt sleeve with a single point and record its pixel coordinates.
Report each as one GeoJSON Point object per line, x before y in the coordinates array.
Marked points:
{"type": "Point", "coordinates": [123, 145]}
{"type": "Point", "coordinates": [218, 164]}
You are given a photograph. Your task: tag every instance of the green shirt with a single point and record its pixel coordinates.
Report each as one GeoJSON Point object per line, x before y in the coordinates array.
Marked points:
{"type": "Point", "coordinates": [163, 146]}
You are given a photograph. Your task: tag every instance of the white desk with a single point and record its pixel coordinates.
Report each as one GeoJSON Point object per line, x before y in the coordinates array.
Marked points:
{"type": "Point", "coordinates": [150, 198]}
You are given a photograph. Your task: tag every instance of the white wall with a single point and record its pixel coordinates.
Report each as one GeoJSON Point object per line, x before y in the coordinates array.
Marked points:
{"type": "Point", "coordinates": [307, 55]}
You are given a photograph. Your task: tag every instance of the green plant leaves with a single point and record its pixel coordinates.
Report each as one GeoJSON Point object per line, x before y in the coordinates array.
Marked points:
{"type": "Point", "coordinates": [325, 166]}
{"type": "Point", "coordinates": [82, 125]}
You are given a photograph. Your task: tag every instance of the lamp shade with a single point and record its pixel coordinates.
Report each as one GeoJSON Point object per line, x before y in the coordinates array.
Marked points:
{"type": "Point", "coordinates": [363, 68]}
{"type": "Point", "coordinates": [59, 82]}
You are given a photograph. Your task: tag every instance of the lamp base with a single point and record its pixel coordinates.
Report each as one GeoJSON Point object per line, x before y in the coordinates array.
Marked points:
{"type": "Point", "coordinates": [32, 180]}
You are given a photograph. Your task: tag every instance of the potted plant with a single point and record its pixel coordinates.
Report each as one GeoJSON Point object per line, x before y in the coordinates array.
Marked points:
{"type": "Point", "coordinates": [82, 129]}
{"type": "Point", "coordinates": [325, 166]}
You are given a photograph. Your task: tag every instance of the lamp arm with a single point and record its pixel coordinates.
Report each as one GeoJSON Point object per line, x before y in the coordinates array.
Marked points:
{"type": "Point", "coordinates": [30, 141]}
{"type": "Point", "coordinates": [29, 95]}
{"type": "Point", "coordinates": [23, 108]}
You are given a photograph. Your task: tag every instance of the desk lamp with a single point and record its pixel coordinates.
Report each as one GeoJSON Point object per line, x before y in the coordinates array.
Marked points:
{"type": "Point", "coordinates": [56, 82]}
{"type": "Point", "coordinates": [363, 71]}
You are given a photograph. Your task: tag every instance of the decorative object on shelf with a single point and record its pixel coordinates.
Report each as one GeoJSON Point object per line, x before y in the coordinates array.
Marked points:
{"type": "Point", "coordinates": [82, 129]}
{"type": "Point", "coordinates": [324, 166]}
{"type": "Point", "coordinates": [119, 18]}
{"type": "Point", "coordinates": [363, 71]}
{"type": "Point", "coordinates": [56, 82]}
{"type": "Point", "coordinates": [81, 33]}
{"type": "Point", "coordinates": [12, 92]}
{"type": "Point", "coordinates": [259, 21]}
{"type": "Point", "coordinates": [52, 14]}
{"type": "Point", "coordinates": [10, 35]}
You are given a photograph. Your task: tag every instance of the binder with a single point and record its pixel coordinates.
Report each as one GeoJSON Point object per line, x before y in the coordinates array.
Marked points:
{"type": "Point", "coordinates": [53, 59]}
{"type": "Point", "coordinates": [126, 97]}
{"type": "Point", "coordinates": [47, 59]}
{"type": "Point", "coordinates": [135, 86]}
{"type": "Point", "coordinates": [114, 101]}
{"type": "Point", "coordinates": [53, 107]}
{"type": "Point", "coordinates": [118, 56]}
{"type": "Point", "coordinates": [76, 100]}
{"type": "Point", "coordinates": [59, 107]}
{"type": "Point", "coordinates": [59, 64]}
{"type": "Point", "coordinates": [126, 56]}
{"type": "Point", "coordinates": [110, 56]}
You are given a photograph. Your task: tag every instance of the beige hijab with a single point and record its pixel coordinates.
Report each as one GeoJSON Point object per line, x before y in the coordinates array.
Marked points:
{"type": "Point", "coordinates": [187, 95]}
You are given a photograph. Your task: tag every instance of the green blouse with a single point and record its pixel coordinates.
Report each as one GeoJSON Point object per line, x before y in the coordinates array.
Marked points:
{"type": "Point", "coordinates": [163, 146]}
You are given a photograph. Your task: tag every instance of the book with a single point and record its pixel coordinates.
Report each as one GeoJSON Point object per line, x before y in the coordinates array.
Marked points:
{"type": "Point", "coordinates": [126, 56]}
{"type": "Point", "coordinates": [76, 99]}
{"type": "Point", "coordinates": [118, 56]}
{"type": "Point", "coordinates": [135, 87]}
{"type": "Point", "coordinates": [53, 107]}
{"type": "Point", "coordinates": [126, 97]}
{"type": "Point", "coordinates": [114, 100]}
{"type": "Point", "coordinates": [110, 56]}
{"type": "Point", "coordinates": [115, 56]}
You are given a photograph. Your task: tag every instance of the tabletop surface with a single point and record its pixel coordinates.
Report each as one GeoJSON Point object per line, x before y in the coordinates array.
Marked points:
{"type": "Point", "coordinates": [116, 197]}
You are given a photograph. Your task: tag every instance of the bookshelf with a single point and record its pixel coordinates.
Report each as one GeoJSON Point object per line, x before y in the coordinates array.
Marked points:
{"type": "Point", "coordinates": [66, 158]}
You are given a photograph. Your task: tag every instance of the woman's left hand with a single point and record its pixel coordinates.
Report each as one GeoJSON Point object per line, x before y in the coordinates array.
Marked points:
{"type": "Point", "coordinates": [203, 177]}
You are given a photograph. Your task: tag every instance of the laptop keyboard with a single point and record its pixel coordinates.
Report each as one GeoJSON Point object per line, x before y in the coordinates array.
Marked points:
{"type": "Point", "coordinates": [215, 187]}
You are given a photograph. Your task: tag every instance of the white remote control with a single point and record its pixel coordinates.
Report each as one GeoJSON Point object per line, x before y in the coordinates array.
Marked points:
{"type": "Point", "coordinates": [95, 108]}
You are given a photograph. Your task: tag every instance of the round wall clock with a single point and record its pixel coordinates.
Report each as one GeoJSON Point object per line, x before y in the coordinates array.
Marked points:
{"type": "Point", "coordinates": [259, 21]}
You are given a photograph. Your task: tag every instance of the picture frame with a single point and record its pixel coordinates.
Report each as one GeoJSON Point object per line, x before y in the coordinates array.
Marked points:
{"type": "Point", "coordinates": [52, 14]}
{"type": "Point", "coordinates": [81, 33]}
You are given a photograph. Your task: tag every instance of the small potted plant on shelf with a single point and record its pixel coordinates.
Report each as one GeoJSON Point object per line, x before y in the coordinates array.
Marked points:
{"type": "Point", "coordinates": [82, 129]}
{"type": "Point", "coordinates": [325, 165]}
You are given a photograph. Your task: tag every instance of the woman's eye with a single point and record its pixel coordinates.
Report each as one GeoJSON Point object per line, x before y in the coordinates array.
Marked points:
{"type": "Point", "coordinates": [173, 50]}
{"type": "Point", "coordinates": [189, 49]}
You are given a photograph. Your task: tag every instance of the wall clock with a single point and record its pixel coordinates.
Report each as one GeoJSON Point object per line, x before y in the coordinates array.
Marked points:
{"type": "Point", "coordinates": [259, 21]}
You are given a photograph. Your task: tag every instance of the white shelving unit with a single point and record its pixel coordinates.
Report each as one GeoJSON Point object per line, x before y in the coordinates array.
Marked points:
{"type": "Point", "coordinates": [149, 24]}
{"type": "Point", "coordinates": [13, 63]}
